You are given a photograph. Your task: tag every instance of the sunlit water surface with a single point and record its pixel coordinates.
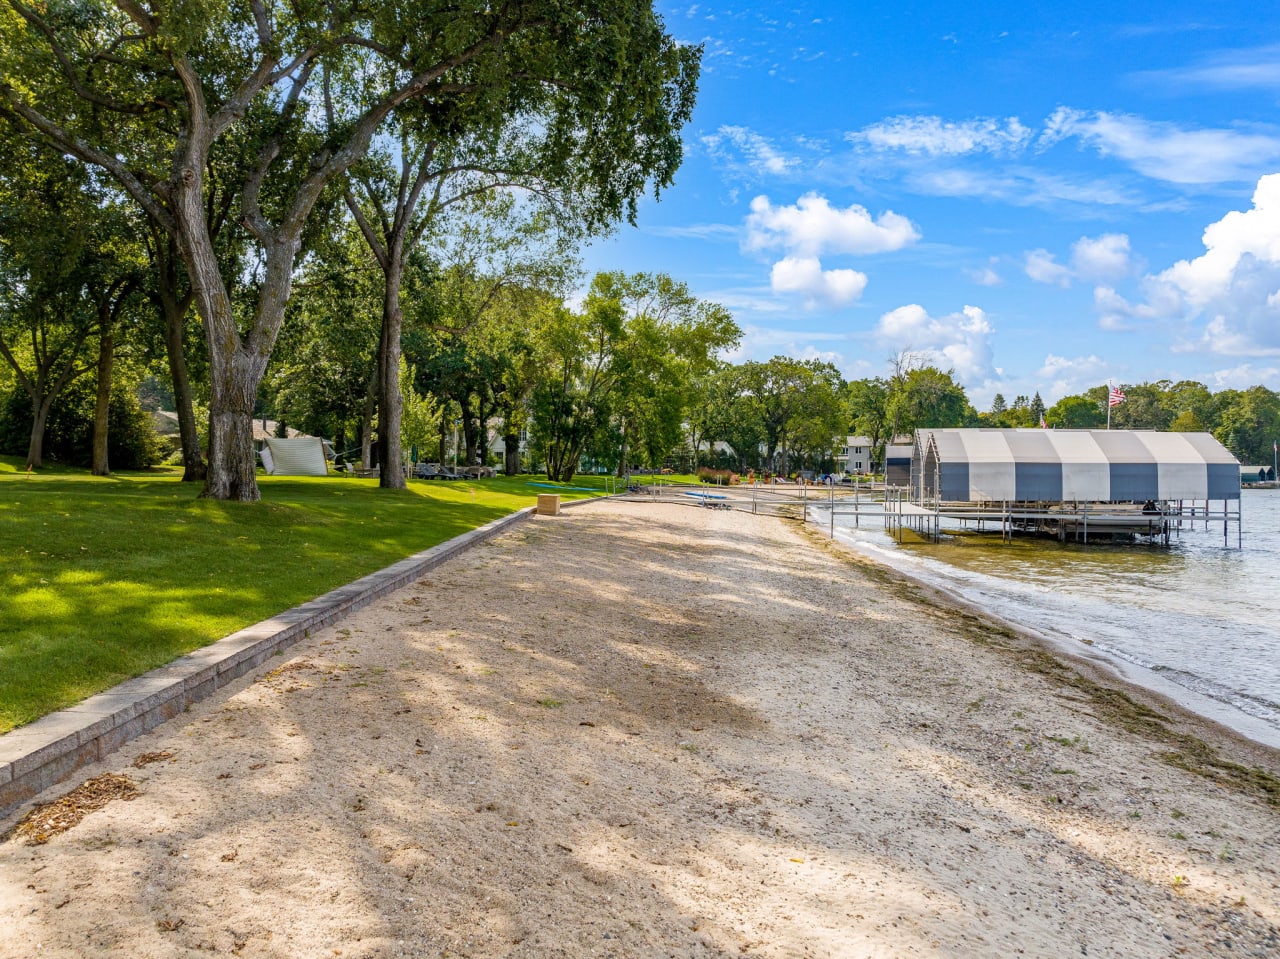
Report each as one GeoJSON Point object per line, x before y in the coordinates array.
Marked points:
{"type": "Point", "coordinates": [1199, 615]}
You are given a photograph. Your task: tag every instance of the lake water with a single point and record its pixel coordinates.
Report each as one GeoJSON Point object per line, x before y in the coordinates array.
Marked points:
{"type": "Point", "coordinates": [1194, 620]}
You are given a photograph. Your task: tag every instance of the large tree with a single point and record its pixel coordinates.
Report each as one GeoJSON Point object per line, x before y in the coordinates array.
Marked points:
{"type": "Point", "coordinates": [67, 272]}
{"type": "Point", "coordinates": [798, 405]}
{"type": "Point", "coordinates": [511, 205]}
{"type": "Point", "coordinates": [1075, 413]}
{"type": "Point", "coordinates": [572, 401]}
{"type": "Point", "coordinates": [925, 396]}
{"type": "Point", "coordinates": [322, 370]}
{"type": "Point", "coordinates": [496, 261]}
{"type": "Point", "coordinates": [1249, 423]}
{"type": "Point", "coordinates": [672, 339]}
{"type": "Point", "coordinates": [157, 94]}
{"type": "Point", "coordinates": [868, 416]}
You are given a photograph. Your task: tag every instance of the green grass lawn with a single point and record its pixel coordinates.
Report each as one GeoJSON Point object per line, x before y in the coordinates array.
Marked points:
{"type": "Point", "coordinates": [104, 578]}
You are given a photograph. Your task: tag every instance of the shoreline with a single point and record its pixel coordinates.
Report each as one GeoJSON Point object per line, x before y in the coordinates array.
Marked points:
{"type": "Point", "coordinates": [1227, 724]}
{"type": "Point", "coordinates": [1229, 719]}
{"type": "Point", "coordinates": [638, 729]}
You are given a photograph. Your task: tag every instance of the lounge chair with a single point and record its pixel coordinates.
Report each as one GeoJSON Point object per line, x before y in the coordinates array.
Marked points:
{"type": "Point", "coordinates": [432, 471]}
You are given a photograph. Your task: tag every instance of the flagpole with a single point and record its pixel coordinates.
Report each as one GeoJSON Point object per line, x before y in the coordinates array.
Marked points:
{"type": "Point", "coordinates": [1108, 404]}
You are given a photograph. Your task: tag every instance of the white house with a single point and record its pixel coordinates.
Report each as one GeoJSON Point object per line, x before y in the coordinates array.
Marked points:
{"type": "Point", "coordinates": [857, 454]}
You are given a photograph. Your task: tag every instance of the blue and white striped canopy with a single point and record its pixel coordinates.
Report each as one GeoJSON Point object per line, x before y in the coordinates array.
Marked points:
{"type": "Point", "coordinates": [1095, 466]}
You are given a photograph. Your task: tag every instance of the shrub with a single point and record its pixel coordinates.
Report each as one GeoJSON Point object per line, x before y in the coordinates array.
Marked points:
{"type": "Point", "coordinates": [719, 477]}
{"type": "Point", "coordinates": [132, 442]}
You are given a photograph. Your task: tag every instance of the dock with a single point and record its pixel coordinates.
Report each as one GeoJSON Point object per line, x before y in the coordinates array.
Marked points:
{"type": "Point", "coordinates": [1065, 522]}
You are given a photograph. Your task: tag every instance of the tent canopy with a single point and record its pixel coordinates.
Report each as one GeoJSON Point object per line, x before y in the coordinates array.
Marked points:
{"type": "Point", "coordinates": [1097, 466]}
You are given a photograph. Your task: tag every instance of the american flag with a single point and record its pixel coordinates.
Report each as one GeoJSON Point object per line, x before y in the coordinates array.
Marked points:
{"type": "Point", "coordinates": [1117, 396]}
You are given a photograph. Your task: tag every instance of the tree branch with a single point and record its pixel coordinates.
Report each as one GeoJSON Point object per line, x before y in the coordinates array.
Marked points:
{"type": "Point", "coordinates": [67, 68]}
{"type": "Point", "coordinates": [146, 197]}
{"type": "Point", "coordinates": [370, 235]}
{"type": "Point", "coordinates": [134, 11]}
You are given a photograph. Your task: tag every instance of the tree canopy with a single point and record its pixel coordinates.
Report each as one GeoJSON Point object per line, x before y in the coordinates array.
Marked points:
{"type": "Point", "coordinates": [277, 101]}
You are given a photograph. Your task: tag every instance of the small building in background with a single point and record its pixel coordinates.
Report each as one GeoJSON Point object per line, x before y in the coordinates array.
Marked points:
{"type": "Point", "coordinates": [857, 455]}
{"type": "Point", "coordinates": [1253, 475]}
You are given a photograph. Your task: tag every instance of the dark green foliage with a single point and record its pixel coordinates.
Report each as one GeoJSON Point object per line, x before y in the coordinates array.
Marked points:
{"type": "Point", "coordinates": [155, 393]}
{"type": "Point", "coordinates": [132, 441]}
{"type": "Point", "coordinates": [1247, 422]}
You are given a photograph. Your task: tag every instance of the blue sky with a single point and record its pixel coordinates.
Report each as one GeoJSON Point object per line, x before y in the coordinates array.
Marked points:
{"type": "Point", "coordinates": [1037, 197]}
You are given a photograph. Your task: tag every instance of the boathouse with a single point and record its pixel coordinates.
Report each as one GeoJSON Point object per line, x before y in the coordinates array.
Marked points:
{"type": "Point", "coordinates": [897, 463]}
{"type": "Point", "coordinates": [1116, 483]}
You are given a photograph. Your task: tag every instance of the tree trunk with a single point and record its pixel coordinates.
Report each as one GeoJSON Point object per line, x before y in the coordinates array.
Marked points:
{"type": "Point", "coordinates": [623, 467]}
{"type": "Point", "coordinates": [469, 440]}
{"type": "Point", "coordinates": [102, 404]}
{"type": "Point", "coordinates": [552, 464]}
{"type": "Point", "coordinates": [43, 389]}
{"type": "Point", "coordinates": [511, 453]}
{"type": "Point", "coordinates": [237, 361]}
{"type": "Point", "coordinates": [389, 401]}
{"type": "Point", "coordinates": [39, 418]}
{"type": "Point", "coordinates": [175, 317]}
{"type": "Point", "coordinates": [232, 471]}
{"type": "Point", "coordinates": [366, 423]}
{"type": "Point", "coordinates": [482, 433]}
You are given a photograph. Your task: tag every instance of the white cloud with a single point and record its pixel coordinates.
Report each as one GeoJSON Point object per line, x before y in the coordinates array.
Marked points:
{"type": "Point", "coordinates": [762, 342]}
{"type": "Point", "coordinates": [1256, 69]}
{"type": "Point", "coordinates": [1115, 312]}
{"type": "Point", "coordinates": [987, 276]}
{"type": "Point", "coordinates": [1098, 259]}
{"type": "Point", "coordinates": [1165, 151]}
{"type": "Point", "coordinates": [1238, 235]}
{"type": "Point", "coordinates": [1061, 376]}
{"type": "Point", "coordinates": [934, 136]}
{"type": "Point", "coordinates": [747, 300]}
{"type": "Point", "coordinates": [1021, 186]}
{"type": "Point", "coordinates": [1225, 301]}
{"type": "Point", "coordinates": [1055, 366]}
{"type": "Point", "coordinates": [1041, 267]}
{"type": "Point", "coordinates": [806, 276]}
{"type": "Point", "coordinates": [811, 352]}
{"type": "Point", "coordinates": [697, 231]}
{"type": "Point", "coordinates": [1103, 258]}
{"type": "Point", "coordinates": [758, 154]}
{"type": "Point", "coordinates": [1243, 376]}
{"type": "Point", "coordinates": [1004, 159]}
{"type": "Point", "coordinates": [1234, 287]}
{"type": "Point", "coordinates": [812, 227]}
{"type": "Point", "coordinates": [959, 341]}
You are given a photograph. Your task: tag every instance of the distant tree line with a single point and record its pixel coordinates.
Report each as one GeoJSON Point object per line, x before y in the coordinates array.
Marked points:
{"type": "Point", "coordinates": [1247, 422]}
{"type": "Point", "coordinates": [788, 414]}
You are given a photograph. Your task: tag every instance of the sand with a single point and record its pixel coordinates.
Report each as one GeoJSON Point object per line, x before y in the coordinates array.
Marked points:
{"type": "Point", "coordinates": [654, 730]}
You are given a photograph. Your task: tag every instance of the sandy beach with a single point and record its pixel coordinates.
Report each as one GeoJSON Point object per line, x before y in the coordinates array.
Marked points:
{"type": "Point", "coordinates": [651, 730]}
